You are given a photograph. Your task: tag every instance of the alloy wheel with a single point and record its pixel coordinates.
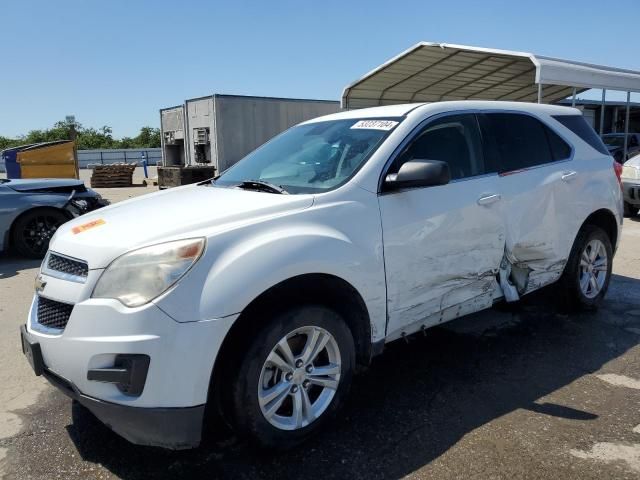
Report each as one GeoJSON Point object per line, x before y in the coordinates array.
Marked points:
{"type": "Point", "coordinates": [299, 378]}
{"type": "Point", "coordinates": [593, 268]}
{"type": "Point", "coordinates": [37, 233]}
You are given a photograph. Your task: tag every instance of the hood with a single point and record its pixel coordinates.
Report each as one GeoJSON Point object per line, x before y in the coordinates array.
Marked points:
{"type": "Point", "coordinates": [633, 161]}
{"type": "Point", "coordinates": [177, 213]}
{"type": "Point", "coordinates": [58, 185]}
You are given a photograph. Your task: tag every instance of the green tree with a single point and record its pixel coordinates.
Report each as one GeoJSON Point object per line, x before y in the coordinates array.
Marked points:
{"type": "Point", "coordinates": [86, 138]}
{"type": "Point", "coordinates": [147, 138]}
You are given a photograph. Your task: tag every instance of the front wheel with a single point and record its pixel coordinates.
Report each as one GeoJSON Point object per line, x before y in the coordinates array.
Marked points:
{"type": "Point", "coordinates": [294, 376]}
{"type": "Point", "coordinates": [31, 232]}
{"type": "Point", "coordinates": [588, 271]}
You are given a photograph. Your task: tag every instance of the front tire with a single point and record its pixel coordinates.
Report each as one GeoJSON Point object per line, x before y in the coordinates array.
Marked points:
{"type": "Point", "coordinates": [588, 271]}
{"type": "Point", "coordinates": [293, 377]}
{"type": "Point", "coordinates": [33, 230]}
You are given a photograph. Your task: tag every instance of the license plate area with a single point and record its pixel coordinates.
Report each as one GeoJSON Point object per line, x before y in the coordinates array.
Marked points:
{"type": "Point", "coordinates": [32, 351]}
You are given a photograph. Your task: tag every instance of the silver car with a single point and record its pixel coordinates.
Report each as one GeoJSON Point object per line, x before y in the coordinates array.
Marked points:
{"type": "Point", "coordinates": [32, 210]}
{"type": "Point", "coordinates": [631, 186]}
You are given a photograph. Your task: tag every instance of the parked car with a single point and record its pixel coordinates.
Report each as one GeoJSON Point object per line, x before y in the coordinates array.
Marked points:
{"type": "Point", "coordinates": [257, 294]}
{"type": "Point", "coordinates": [631, 186]}
{"type": "Point", "coordinates": [32, 210]}
{"type": "Point", "coordinates": [615, 145]}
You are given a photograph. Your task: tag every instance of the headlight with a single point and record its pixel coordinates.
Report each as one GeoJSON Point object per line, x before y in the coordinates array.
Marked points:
{"type": "Point", "coordinates": [139, 276]}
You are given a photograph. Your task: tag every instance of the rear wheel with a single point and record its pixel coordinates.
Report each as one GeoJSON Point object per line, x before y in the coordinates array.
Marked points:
{"type": "Point", "coordinates": [588, 272]}
{"type": "Point", "coordinates": [293, 377]}
{"type": "Point", "coordinates": [31, 232]}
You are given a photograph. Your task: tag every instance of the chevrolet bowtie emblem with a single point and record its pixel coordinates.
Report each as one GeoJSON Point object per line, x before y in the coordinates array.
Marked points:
{"type": "Point", "coordinates": [40, 284]}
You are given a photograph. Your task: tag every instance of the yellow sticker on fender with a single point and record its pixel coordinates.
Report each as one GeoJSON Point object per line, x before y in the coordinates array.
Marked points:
{"type": "Point", "coordinates": [87, 226]}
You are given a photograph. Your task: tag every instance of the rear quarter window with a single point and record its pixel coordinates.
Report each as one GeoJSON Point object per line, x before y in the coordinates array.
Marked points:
{"type": "Point", "coordinates": [578, 125]}
{"type": "Point", "coordinates": [559, 148]}
{"type": "Point", "coordinates": [514, 141]}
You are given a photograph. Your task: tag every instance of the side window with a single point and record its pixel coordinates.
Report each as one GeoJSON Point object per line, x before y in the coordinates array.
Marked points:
{"type": "Point", "coordinates": [559, 148]}
{"type": "Point", "coordinates": [515, 141]}
{"type": "Point", "coordinates": [578, 125]}
{"type": "Point", "coordinates": [453, 139]}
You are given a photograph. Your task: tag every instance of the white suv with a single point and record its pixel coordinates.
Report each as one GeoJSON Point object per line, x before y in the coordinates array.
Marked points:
{"type": "Point", "coordinates": [257, 294]}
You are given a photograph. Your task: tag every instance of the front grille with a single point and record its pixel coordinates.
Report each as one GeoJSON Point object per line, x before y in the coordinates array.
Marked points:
{"type": "Point", "coordinates": [52, 314]}
{"type": "Point", "coordinates": [67, 265]}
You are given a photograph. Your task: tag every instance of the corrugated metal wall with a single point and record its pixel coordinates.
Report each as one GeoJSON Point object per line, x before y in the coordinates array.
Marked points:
{"type": "Point", "coordinates": [245, 123]}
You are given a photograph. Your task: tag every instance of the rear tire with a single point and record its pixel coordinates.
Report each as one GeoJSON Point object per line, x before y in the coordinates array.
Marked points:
{"type": "Point", "coordinates": [31, 232]}
{"type": "Point", "coordinates": [278, 398]}
{"type": "Point", "coordinates": [586, 276]}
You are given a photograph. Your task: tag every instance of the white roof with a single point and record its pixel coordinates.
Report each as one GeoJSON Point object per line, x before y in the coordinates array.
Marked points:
{"type": "Point", "coordinates": [430, 72]}
{"type": "Point", "coordinates": [399, 110]}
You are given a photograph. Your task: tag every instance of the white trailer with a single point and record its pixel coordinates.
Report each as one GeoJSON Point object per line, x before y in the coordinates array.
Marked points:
{"type": "Point", "coordinates": [208, 134]}
{"type": "Point", "coordinates": [221, 129]}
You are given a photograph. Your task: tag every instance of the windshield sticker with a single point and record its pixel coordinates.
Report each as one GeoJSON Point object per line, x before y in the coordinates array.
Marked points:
{"type": "Point", "coordinates": [87, 226]}
{"type": "Point", "coordinates": [375, 124]}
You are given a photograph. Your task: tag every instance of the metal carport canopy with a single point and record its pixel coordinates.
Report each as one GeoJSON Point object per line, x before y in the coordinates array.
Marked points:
{"type": "Point", "coordinates": [429, 72]}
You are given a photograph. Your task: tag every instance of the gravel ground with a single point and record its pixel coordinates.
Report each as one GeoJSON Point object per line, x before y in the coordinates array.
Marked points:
{"type": "Point", "coordinates": [517, 392]}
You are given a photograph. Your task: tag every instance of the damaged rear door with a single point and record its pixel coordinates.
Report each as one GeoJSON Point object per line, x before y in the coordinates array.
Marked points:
{"type": "Point", "coordinates": [443, 244]}
{"type": "Point", "coordinates": [534, 164]}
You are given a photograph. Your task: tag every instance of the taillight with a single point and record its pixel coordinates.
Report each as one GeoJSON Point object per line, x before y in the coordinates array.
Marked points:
{"type": "Point", "coordinates": [618, 169]}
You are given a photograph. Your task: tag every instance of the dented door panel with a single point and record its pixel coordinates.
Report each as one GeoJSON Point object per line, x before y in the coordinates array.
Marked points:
{"type": "Point", "coordinates": [536, 239]}
{"type": "Point", "coordinates": [442, 252]}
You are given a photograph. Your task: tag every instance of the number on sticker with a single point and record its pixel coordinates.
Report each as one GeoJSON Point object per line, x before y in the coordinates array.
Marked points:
{"type": "Point", "coordinates": [375, 124]}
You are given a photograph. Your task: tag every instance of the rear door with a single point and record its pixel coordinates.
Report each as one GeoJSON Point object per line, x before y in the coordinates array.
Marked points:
{"type": "Point", "coordinates": [535, 177]}
{"type": "Point", "coordinates": [442, 244]}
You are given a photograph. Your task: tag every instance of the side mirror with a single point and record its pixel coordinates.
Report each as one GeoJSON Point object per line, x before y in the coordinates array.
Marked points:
{"type": "Point", "coordinates": [419, 173]}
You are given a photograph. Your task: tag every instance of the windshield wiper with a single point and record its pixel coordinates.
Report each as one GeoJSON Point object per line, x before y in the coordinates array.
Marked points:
{"type": "Point", "coordinates": [261, 186]}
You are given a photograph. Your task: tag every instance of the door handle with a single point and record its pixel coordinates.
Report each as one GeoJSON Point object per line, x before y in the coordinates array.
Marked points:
{"type": "Point", "coordinates": [568, 176]}
{"type": "Point", "coordinates": [488, 199]}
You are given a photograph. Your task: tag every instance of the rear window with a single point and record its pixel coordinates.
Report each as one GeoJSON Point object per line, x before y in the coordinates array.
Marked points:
{"type": "Point", "coordinates": [578, 125]}
{"type": "Point", "coordinates": [514, 141]}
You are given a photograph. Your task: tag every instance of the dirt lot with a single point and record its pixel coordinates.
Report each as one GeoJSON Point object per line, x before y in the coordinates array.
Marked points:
{"type": "Point", "coordinates": [519, 392]}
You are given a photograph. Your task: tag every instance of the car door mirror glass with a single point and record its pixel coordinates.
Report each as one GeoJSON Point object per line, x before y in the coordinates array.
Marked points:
{"type": "Point", "coordinates": [419, 173]}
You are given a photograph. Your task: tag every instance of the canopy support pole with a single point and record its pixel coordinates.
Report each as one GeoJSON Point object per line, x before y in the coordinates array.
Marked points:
{"type": "Point", "coordinates": [540, 93]}
{"type": "Point", "coordinates": [604, 93]}
{"type": "Point", "coordinates": [626, 127]}
{"type": "Point", "coordinates": [573, 98]}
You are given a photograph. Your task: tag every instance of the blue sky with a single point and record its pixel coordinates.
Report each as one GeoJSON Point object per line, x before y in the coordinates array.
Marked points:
{"type": "Point", "coordinates": [117, 62]}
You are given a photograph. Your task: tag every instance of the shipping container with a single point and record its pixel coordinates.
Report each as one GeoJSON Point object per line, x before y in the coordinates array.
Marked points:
{"type": "Point", "coordinates": [172, 136]}
{"type": "Point", "coordinates": [221, 129]}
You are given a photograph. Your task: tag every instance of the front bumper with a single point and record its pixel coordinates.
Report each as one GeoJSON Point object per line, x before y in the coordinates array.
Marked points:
{"type": "Point", "coordinates": [167, 411]}
{"type": "Point", "coordinates": [631, 192]}
{"type": "Point", "coordinates": [173, 428]}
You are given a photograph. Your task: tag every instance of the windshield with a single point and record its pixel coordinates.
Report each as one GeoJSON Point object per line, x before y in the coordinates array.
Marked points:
{"type": "Point", "coordinates": [312, 158]}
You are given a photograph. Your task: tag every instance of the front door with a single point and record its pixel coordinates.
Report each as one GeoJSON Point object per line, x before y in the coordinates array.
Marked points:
{"type": "Point", "coordinates": [442, 245]}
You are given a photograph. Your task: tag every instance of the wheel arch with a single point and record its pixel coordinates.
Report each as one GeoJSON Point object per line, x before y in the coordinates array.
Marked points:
{"type": "Point", "coordinates": [314, 288]}
{"type": "Point", "coordinates": [606, 220]}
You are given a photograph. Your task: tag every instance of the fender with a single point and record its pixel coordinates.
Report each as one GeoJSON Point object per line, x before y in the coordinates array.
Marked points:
{"type": "Point", "coordinates": [242, 264]}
